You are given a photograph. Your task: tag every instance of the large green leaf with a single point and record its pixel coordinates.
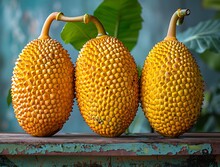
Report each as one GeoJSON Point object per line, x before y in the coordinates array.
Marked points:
{"type": "Point", "coordinates": [211, 59]}
{"type": "Point", "coordinates": [9, 98]}
{"type": "Point", "coordinates": [204, 36]}
{"type": "Point", "coordinates": [214, 4]}
{"type": "Point", "coordinates": [121, 19]}
{"type": "Point", "coordinates": [78, 33]}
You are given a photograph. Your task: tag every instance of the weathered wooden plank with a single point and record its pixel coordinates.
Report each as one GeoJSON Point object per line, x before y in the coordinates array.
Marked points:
{"type": "Point", "coordinates": [91, 144]}
{"type": "Point", "coordinates": [127, 149]}
{"type": "Point", "coordinates": [193, 138]}
{"type": "Point", "coordinates": [94, 161]}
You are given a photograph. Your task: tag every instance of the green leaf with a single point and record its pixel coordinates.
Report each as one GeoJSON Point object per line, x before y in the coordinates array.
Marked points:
{"type": "Point", "coordinates": [9, 98]}
{"type": "Point", "coordinates": [77, 34]}
{"type": "Point", "coordinates": [201, 122]}
{"type": "Point", "coordinates": [139, 68]}
{"type": "Point", "coordinates": [211, 59]}
{"type": "Point", "coordinates": [214, 101]}
{"type": "Point", "coordinates": [121, 19]}
{"type": "Point", "coordinates": [215, 104]}
{"type": "Point", "coordinates": [204, 36]}
{"type": "Point", "coordinates": [214, 4]}
{"type": "Point", "coordinates": [217, 15]}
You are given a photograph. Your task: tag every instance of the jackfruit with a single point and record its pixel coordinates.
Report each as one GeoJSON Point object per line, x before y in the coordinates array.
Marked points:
{"type": "Point", "coordinates": [106, 84]}
{"type": "Point", "coordinates": [171, 84]}
{"type": "Point", "coordinates": [43, 85]}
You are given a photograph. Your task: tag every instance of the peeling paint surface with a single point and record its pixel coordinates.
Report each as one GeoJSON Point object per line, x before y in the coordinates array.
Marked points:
{"type": "Point", "coordinates": [91, 150]}
{"type": "Point", "coordinates": [138, 149]}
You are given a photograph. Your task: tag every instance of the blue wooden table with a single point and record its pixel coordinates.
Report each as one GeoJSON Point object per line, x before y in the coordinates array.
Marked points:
{"type": "Point", "coordinates": [149, 149]}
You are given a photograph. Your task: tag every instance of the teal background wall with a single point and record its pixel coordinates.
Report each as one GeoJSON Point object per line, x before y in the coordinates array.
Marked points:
{"type": "Point", "coordinates": [21, 21]}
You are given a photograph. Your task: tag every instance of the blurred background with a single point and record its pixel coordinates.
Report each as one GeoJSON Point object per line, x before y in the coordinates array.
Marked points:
{"type": "Point", "coordinates": [21, 21]}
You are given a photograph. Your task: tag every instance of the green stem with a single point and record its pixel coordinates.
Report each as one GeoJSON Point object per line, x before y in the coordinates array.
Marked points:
{"type": "Point", "coordinates": [177, 17]}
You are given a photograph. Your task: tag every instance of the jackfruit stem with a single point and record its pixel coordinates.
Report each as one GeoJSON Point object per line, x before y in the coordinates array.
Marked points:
{"type": "Point", "coordinates": [85, 19]}
{"type": "Point", "coordinates": [176, 19]}
{"type": "Point", "coordinates": [60, 17]}
{"type": "Point", "coordinates": [46, 27]}
{"type": "Point", "coordinates": [98, 24]}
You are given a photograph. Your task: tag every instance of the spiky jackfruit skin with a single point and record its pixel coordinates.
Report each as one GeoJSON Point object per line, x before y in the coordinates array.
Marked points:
{"type": "Point", "coordinates": [171, 88]}
{"type": "Point", "coordinates": [106, 86]}
{"type": "Point", "coordinates": [43, 87]}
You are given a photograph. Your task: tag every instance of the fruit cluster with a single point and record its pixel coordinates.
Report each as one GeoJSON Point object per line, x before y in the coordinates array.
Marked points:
{"type": "Point", "coordinates": [105, 81]}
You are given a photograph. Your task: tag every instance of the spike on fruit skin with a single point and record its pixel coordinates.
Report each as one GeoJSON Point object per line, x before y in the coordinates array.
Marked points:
{"type": "Point", "coordinates": [171, 87]}
{"type": "Point", "coordinates": [106, 86]}
{"type": "Point", "coordinates": [42, 87]}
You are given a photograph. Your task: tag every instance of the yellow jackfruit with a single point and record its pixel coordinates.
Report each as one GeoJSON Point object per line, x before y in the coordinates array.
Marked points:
{"type": "Point", "coordinates": [106, 86]}
{"type": "Point", "coordinates": [43, 85]}
{"type": "Point", "coordinates": [171, 85]}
